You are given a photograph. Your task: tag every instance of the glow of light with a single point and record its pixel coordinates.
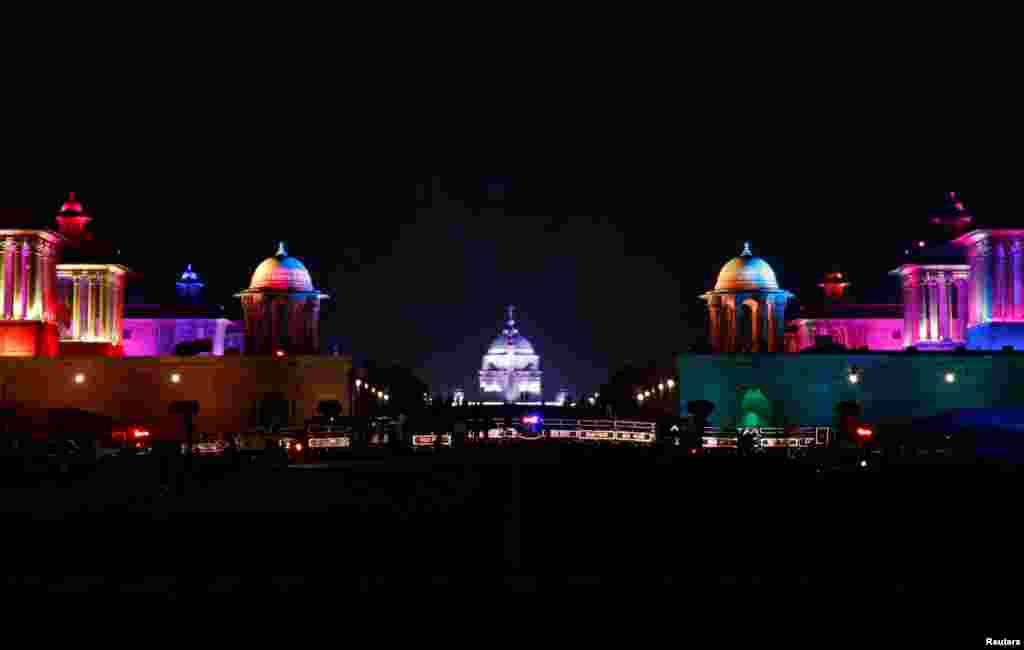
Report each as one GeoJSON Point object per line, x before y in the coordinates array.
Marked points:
{"type": "Point", "coordinates": [531, 419]}
{"type": "Point", "coordinates": [592, 401]}
{"type": "Point", "coordinates": [640, 397]}
{"type": "Point", "coordinates": [176, 378]}
{"type": "Point", "coordinates": [854, 378]}
{"type": "Point", "coordinates": [140, 433]}
{"type": "Point", "coordinates": [380, 393]}
{"type": "Point", "coordinates": [359, 383]}
{"type": "Point", "coordinates": [79, 378]}
{"type": "Point", "coordinates": [920, 244]}
{"type": "Point", "coordinates": [671, 383]}
{"type": "Point", "coordinates": [387, 398]}
{"type": "Point", "coordinates": [298, 446]}
{"type": "Point", "coordinates": [647, 393]}
{"type": "Point", "coordinates": [864, 432]}
{"type": "Point", "coordinates": [863, 463]}
{"type": "Point", "coordinates": [661, 386]}
{"type": "Point", "coordinates": [950, 377]}
{"type": "Point", "coordinates": [280, 353]}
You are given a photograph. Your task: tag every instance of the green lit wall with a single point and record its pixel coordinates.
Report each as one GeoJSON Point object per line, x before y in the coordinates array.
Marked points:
{"type": "Point", "coordinates": [805, 388]}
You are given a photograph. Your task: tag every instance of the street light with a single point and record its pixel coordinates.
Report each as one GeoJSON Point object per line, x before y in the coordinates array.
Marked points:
{"type": "Point", "coordinates": [640, 397]}
{"type": "Point", "coordinates": [950, 377]}
{"type": "Point", "coordinates": [661, 386]}
{"type": "Point", "coordinates": [79, 378]}
{"type": "Point", "coordinates": [387, 398]}
{"type": "Point", "coordinates": [175, 378]}
{"type": "Point", "coordinates": [671, 384]}
{"type": "Point", "coordinates": [359, 383]}
{"type": "Point", "coordinates": [854, 378]}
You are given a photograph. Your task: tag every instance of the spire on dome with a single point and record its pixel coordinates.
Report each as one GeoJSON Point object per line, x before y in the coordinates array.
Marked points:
{"type": "Point", "coordinates": [189, 275]}
{"type": "Point", "coordinates": [746, 250]}
{"type": "Point", "coordinates": [281, 252]}
{"type": "Point", "coordinates": [510, 329]}
{"type": "Point", "coordinates": [72, 206]}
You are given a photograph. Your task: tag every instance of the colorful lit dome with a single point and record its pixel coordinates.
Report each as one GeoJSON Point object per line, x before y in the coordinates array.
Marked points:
{"type": "Point", "coordinates": [72, 207]}
{"type": "Point", "coordinates": [746, 273]}
{"type": "Point", "coordinates": [281, 273]}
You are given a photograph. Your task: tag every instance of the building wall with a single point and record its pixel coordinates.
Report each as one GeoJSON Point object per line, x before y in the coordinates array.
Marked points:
{"type": "Point", "coordinates": [140, 392]}
{"type": "Point", "coordinates": [804, 389]}
{"type": "Point", "coordinates": [153, 337]}
{"type": "Point", "coordinates": [876, 334]}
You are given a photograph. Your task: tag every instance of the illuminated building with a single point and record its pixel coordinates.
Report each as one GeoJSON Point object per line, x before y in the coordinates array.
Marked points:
{"type": "Point", "coordinates": [511, 369]}
{"type": "Point", "coordinates": [747, 308]}
{"type": "Point", "coordinates": [65, 333]}
{"type": "Point", "coordinates": [962, 300]}
{"type": "Point", "coordinates": [282, 309]}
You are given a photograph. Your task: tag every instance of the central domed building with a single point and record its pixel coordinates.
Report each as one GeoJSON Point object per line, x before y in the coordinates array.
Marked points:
{"type": "Point", "coordinates": [282, 308]}
{"type": "Point", "coordinates": [747, 309]}
{"type": "Point", "coordinates": [511, 368]}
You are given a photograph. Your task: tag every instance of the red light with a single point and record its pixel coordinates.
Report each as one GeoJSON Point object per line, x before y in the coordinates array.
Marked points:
{"type": "Point", "coordinates": [280, 353]}
{"type": "Point", "coordinates": [533, 419]}
{"type": "Point", "coordinates": [141, 433]}
{"type": "Point", "coordinates": [864, 432]}
{"type": "Point", "coordinates": [298, 447]}
{"type": "Point", "coordinates": [138, 445]}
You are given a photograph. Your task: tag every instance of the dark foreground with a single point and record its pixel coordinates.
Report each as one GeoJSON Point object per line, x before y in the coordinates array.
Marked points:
{"type": "Point", "coordinates": [782, 539]}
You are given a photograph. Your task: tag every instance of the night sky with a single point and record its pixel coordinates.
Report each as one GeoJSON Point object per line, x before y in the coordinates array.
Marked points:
{"type": "Point", "coordinates": [605, 269]}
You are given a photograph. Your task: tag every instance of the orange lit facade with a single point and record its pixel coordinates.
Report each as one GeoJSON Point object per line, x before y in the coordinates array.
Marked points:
{"type": "Point", "coordinates": [28, 293]}
{"type": "Point", "coordinates": [92, 300]}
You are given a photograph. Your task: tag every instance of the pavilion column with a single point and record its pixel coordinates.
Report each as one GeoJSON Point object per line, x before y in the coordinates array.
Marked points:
{"type": "Point", "coordinates": [39, 283]}
{"type": "Point", "coordinates": [943, 306]}
{"type": "Point", "coordinates": [76, 307]}
{"type": "Point", "coordinates": [963, 308]}
{"type": "Point", "coordinates": [998, 280]}
{"type": "Point", "coordinates": [5, 282]}
{"type": "Point", "coordinates": [911, 306]}
{"type": "Point", "coordinates": [1017, 278]}
{"type": "Point", "coordinates": [933, 310]}
{"type": "Point", "coordinates": [714, 331]}
{"type": "Point", "coordinates": [17, 281]}
{"type": "Point", "coordinates": [922, 310]}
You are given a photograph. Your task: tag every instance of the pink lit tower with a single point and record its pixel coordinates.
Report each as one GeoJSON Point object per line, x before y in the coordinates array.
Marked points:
{"type": "Point", "coordinates": [282, 309]}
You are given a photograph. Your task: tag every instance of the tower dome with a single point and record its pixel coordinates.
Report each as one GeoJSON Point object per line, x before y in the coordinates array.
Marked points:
{"type": "Point", "coordinates": [746, 273]}
{"type": "Point", "coordinates": [282, 273]}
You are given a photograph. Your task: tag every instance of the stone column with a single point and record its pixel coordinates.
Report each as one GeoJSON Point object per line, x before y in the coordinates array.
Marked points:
{"type": "Point", "coordinates": [76, 307]}
{"type": "Point", "coordinates": [933, 309]}
{"type": "Point", "coordinates": [39, 288]}
{"type": "Point", "coordinates": [1017, 278]}
{"type": "Point", "coordinates": [714, 323]}
{"type": "Point", "coordinates": [5, 283]}
{"type": "Point", "coordinates": [998, 279]}
{"type": "Point", "coordinates": [963, 295]}
{"type": "Point", "coordinates": [943, 306]}
{"type": "Point", "coordinates": [911, 305]}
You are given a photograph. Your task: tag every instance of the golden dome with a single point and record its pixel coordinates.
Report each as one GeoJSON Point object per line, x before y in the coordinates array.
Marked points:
{"type": "Point", "coordinates": [281, 273]}
{"type": "Point", "coordinates": [746, 273]}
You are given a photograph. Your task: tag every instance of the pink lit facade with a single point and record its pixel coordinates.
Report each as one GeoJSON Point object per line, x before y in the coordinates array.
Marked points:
{"type": "Point", "coordinates": [936, 299]}
{"type": "Point", "coordinates": [28, 292]}
{"type": "Point", "coordinates": [854, 333]}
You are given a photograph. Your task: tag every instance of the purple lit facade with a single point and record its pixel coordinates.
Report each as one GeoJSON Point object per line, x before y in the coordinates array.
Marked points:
{"type": "Point", "coordinates": [968, 293]}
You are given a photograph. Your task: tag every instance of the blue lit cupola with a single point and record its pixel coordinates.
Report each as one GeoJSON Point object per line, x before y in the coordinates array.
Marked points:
{"type": "Point", "coordinates": [189, 287]}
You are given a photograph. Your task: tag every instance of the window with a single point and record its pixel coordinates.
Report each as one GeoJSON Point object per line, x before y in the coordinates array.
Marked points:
{"type": "Point", "coordinates": [953, 301]}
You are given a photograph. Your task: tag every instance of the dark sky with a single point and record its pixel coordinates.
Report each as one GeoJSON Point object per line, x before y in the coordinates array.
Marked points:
{"type": "Point", "coordinates": [604, 268]}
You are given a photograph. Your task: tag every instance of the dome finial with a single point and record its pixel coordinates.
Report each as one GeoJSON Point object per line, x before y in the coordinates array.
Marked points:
{"type": "Point", "coordinates": [511, 315]}
{"type": "Point", "coordinates": [746, 250]}
{"type": "Point", "coordinates": [957, 203]}
{"type": "Point", "coordinates": [281, 252]}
